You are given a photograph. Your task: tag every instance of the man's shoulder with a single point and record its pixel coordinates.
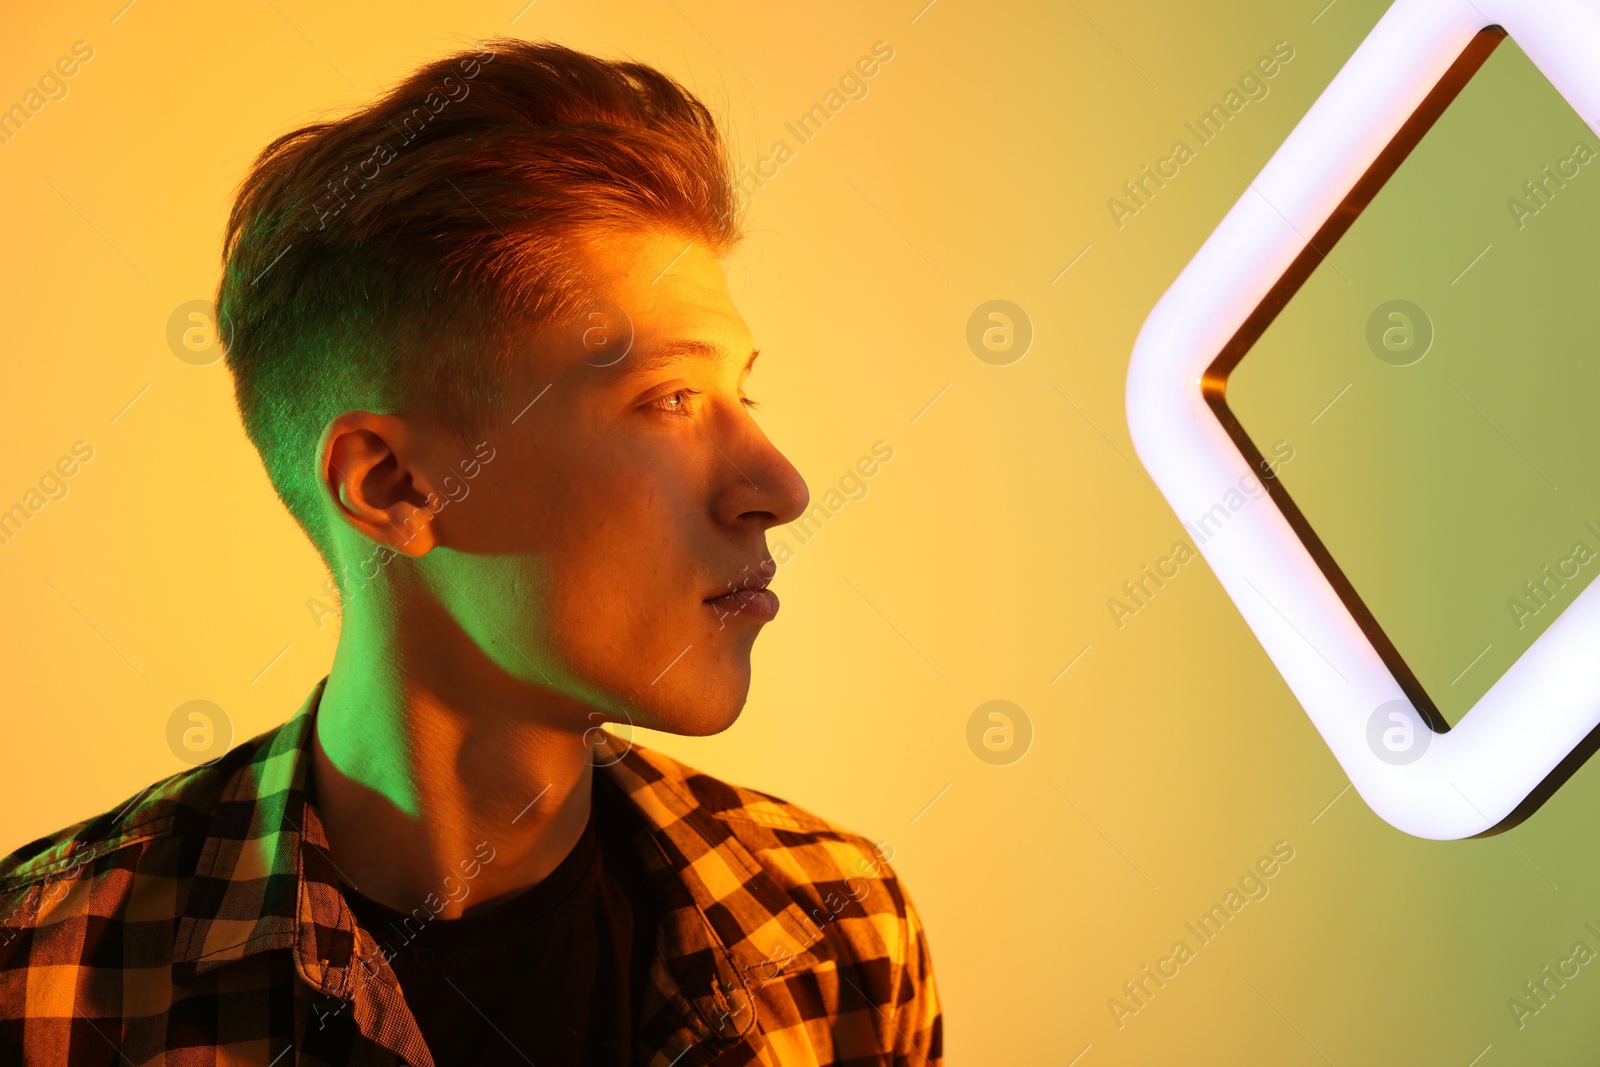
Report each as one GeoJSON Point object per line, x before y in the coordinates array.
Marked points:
{"type": "Point", "coordinates": [178, 806]}
{"type": "Point", "coordinates": [792, 843]}
{"type": "Point", "coordinates": [824, 897]}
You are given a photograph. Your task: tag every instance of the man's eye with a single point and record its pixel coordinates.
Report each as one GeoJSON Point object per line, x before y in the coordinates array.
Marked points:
{"type": "Point", "coordinates": [676, 402]}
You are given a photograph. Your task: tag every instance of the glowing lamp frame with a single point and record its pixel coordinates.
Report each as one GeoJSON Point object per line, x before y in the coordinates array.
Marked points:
{"type": "Point", "coordinates": [1540, 721]}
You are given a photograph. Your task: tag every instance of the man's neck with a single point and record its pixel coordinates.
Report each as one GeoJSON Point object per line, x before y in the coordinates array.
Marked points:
{"type": "Point", "coordinates": [439, 778]}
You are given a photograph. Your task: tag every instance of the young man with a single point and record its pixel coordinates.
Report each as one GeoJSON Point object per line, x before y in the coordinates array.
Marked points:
{"type": "Point", "coordinates": [480, 335]}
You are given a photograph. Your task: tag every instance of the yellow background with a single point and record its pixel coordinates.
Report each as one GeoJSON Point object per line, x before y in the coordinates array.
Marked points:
{"type": "Point", "coordinates": [1163, 764]}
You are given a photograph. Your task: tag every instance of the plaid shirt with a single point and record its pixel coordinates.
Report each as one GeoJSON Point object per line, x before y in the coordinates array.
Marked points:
{"type": "Point", "coordinates": [204, 924]}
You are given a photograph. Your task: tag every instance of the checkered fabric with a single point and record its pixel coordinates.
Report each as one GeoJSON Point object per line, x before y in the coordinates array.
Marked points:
{"type": "Point", "coordinates": [203, 923]}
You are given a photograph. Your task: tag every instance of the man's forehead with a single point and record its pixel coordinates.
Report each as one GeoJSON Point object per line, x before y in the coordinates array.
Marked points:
{"type": "Point", "coordinates": [655, 269]}
{"type": "Point", "coordinates": [653, 300]}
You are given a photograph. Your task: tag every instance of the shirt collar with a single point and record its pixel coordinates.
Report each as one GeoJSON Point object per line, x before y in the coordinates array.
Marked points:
{"type": "Point", "coordinates": [264, 879]}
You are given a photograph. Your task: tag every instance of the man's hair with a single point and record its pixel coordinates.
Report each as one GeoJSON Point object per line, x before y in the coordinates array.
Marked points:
{"type": "Point", "coordinates": [397, 259]}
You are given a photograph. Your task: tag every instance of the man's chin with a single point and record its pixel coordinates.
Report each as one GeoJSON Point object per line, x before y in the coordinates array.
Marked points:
{"type": "Point", "coordinates": [701, 725]}
{"type": "Point", "coordinates": [695, 710]}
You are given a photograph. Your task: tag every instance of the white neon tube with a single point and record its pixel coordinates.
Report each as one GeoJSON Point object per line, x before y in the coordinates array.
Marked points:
{"type": "Point", "coordinates": [1471, 778]}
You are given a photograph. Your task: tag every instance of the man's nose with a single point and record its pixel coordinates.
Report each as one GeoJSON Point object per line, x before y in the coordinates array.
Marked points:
{"type": "Point", "coordinates": [770, 488]}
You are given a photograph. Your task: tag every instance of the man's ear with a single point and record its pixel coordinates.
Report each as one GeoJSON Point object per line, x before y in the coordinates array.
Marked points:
{"type": "Point", "coordinates": [370, 473]}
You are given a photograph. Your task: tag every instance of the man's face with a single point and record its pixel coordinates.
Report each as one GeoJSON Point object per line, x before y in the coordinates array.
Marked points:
{"type": "Point", "coordinates": [632, 485]}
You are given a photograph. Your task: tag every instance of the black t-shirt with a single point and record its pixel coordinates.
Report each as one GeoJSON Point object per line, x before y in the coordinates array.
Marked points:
{"type": "Point", "coordinates": [553, 975]}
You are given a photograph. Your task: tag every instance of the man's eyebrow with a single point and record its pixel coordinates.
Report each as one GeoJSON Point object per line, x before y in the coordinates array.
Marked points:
{"type": "Point", "coordinates": [665, 355]}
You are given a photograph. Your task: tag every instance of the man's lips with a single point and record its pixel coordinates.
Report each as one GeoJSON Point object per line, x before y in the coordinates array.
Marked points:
{"type": "Point", "coordinates": [749, 579]}
{"type": "Point", "coordinates": [747, 597]}
{"type": "Point", "coordinates": [757, 604]}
